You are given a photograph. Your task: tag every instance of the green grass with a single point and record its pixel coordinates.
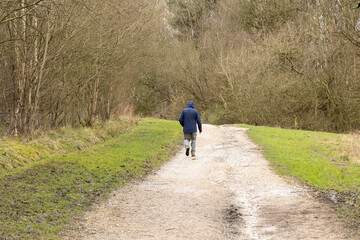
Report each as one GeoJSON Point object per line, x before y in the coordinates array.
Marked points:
{"type": "Point", "coordinates": [39, 200]}
{"type": "Point", "coordinates": [17, 152]}
{"type": "Point", "coordinates": [317, 159]}
{"type": "Point", "coordinates": [312, 157]}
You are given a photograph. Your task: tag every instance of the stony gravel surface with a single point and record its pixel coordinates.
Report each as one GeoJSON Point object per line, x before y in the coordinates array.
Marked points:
{"type": "Point", "coordinates": [227, 192]}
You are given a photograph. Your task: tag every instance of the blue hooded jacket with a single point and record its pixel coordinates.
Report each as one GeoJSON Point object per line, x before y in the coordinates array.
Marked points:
{"type": "Point", "coordinates": [189, 117]}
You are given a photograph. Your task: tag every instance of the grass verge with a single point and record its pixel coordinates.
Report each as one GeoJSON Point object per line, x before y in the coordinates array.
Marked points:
{"type": "Point", "coordinates": [40, 199]}
{"type": "Point", "coordinates": [321, 160]}
{"type": "Point", "coordinates": [16, 152]}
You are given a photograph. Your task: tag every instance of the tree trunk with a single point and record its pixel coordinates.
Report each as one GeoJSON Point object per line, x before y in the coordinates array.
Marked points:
{"type": "Point", "coordinates": [94, 96]}
{"type": "Point", "coordinates": [20, 67]}
{"type": "Point", "coordinates": [108, 108]}
{"type": "Point", "coordinates": [40, 74]}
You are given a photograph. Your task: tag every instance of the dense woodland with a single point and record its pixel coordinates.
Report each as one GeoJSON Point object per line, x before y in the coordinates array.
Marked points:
{"type": "Point", "coordinates": [288, 63]}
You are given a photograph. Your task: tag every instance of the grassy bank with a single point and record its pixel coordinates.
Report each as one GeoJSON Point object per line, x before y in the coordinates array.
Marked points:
{"type": "Point", "coordinates": [40, 199]}
{"type": "Point", "coordinates": [327, 162]}
{"type": "Point", "coordinates": [17, 152]}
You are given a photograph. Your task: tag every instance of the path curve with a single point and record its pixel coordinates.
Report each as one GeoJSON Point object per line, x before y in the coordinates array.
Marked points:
{"type": "Point", "coordinates": [227, 192]}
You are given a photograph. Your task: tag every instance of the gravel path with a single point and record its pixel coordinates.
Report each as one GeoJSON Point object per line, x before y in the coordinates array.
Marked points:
{"type": "Point", "coordinates": [227, 192]}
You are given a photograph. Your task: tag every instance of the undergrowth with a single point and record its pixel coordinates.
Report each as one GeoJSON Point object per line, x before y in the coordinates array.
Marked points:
{"type": "Point", "coordinates": [39, 200]}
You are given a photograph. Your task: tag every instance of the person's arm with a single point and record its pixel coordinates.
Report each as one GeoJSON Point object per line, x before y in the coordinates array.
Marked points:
{"type": "Point", "coordinates": [198, 120]}
{"type": "Point", "coordinates": [181, 118]}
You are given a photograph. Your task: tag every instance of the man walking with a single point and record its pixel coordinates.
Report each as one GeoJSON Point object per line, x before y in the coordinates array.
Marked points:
{"type": "Point", "coordinates": [189, 117]}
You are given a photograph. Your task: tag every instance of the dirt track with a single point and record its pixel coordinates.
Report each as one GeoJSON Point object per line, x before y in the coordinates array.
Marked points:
{"type": "Point", "coordinates": [227, 192]}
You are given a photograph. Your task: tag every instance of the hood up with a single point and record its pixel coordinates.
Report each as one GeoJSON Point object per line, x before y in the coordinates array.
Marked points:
{"type": "Point", "coordinates": [190, 104]}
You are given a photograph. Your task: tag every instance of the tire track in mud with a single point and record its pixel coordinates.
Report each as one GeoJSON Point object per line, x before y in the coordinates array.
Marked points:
{"type": "Point", "coordinates": [227, 192]}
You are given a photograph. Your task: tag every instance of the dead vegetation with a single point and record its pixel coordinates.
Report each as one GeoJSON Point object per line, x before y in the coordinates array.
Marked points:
{"type": "Point", "coordinates": [281, 63]}
{"type": "Point", "coordinates": [351, 146]}
{"type": "Point", "coordinates": [71, 62]}
{"type": "Point", "coordinates": [288, 63]}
